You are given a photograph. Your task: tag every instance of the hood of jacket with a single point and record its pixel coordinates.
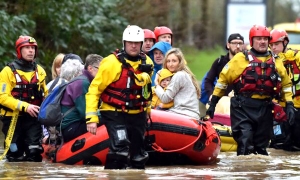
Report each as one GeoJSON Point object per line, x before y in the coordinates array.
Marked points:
{"type": "Point", "coordinates": [164, 47]}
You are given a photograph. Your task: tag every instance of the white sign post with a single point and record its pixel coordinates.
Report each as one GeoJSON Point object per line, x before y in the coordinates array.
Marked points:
{"type": "Point", "coordinates": [243, 14]}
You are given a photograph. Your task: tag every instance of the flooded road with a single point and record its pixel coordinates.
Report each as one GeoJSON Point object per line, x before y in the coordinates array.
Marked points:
{"type": "Point", "coordinates": [279, 165]}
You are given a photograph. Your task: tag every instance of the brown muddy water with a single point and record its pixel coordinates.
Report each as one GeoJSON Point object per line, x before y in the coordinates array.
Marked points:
{"type": "Point", "coordinates": [279, 165]}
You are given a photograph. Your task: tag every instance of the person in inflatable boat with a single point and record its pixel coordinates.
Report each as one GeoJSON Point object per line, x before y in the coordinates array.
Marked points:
{"type": "Point", "coordinates": [164, 79]}
{"type": "Point", "coordinates": [287, 136]}
{"type": "Point", "coordinates": [123, 83]}
{"type": "Point", "coordinates": [73, 124]}
{"type": "Point", "coordinates": [257, 76]}
{"type": "Point", "coordinates": [157, 54]}
{"type": "Point", "coordinates": [183, 89]}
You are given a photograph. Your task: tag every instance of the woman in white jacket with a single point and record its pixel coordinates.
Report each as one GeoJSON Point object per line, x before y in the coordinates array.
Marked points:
{"type": "Point", "coordinates": [183, 89]}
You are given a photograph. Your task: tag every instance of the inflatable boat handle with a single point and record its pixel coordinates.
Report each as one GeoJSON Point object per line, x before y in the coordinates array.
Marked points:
{"type": "Point", "coordinates": [214, 122]}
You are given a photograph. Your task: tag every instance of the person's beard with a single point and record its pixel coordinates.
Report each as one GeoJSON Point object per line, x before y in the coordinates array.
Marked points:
{"type": "Point", "coordinates": [234, 52]}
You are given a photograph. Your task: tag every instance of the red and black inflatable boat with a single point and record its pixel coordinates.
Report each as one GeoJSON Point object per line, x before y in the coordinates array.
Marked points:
{"type": "Point", "coordinates": [170, 139]}
{"type": "Point", "coordinates": [178, 139]}
{"type": "Point", "coordinates": [85, 149]}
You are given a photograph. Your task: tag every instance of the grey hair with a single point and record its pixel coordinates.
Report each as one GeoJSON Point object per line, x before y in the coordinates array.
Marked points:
{"type": "Point", "coordinates": [70, 69]}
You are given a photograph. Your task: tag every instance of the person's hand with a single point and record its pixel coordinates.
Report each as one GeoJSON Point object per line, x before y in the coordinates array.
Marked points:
{"type": "Point", "coordinates": [210, 112]}
{"type": "Point", "coordinates": [92, 128]}
{"type": "Point", "coordinates": [290, 112]}
{"type": "Point", "coordinates": [33, 110]}
{"type": "Point", "coordinates": [212, 106]}
{"type": "Point", "coordinates": [45, 139]}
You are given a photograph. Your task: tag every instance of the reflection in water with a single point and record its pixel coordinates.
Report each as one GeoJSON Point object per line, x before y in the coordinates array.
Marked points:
{"type": "Point", "coordinates": [279, 165]}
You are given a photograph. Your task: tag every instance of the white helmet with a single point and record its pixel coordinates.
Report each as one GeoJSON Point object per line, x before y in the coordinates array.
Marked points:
{"type": "Point", "coordinates": [133, 33]}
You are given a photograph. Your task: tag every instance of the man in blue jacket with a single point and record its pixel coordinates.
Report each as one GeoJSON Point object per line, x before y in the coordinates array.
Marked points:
{"type": "Point", "coordinates": [157, 54]}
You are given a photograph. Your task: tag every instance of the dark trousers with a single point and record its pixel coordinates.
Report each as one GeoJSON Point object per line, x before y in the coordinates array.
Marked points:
{"type": "Point", "coordinates": [252, 124]}
{"type": "Point", "coordinates": [27, 136]}
{"type": "Point", "coordinates": [74, 130]}
{"type": "Point", "coordinates": [294, 131]}
{"type": "Point", "coordinates": [126, 133]}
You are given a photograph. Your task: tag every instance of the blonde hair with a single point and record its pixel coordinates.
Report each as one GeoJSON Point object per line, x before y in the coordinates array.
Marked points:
{"type": "Point", "coordinates": [182, 67]}
{"type": "Point", "coordinates": [56, 63]}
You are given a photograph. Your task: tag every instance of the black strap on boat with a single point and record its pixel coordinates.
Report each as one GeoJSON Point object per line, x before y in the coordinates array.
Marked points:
{"type": "Point", "coordinates": [148, 139]}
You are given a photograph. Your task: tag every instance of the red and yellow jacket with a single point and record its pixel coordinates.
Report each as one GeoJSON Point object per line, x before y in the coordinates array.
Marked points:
{"type": "Point", "coordinates": [110, 70]}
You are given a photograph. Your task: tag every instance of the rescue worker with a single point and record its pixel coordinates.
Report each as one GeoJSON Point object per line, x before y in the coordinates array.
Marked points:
{"type": "Point", "coordinates": [163, 33]}
{"type": "Point", "coordinates": [234, 45]}
{"type": "Point", "coordinates": [123, 83]}
{"type": "Point", "coordinates": [149, 40]}
{"type": "Point", "coordinates": [257, 76]}
{"type": "Point", "coordinates": [23, 88]}
{"type": "Point", "coordinates": [289, 138]}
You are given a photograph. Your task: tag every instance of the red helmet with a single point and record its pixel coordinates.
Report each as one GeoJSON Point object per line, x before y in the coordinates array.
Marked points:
{"type": "Point", "coordinates": [258, 30]}
{"type": "Point", "coordinates": [25, 41]}
{"type": "Point", "coordinates": [278, 35]}
{"type": "Point", "coordinates": [160, 30]}
{"type": "Point", "coordinates": [149, 34]}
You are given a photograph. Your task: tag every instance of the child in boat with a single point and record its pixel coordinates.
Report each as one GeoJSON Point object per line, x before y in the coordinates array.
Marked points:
{"type": "Point", "coordinates": [164, 79]}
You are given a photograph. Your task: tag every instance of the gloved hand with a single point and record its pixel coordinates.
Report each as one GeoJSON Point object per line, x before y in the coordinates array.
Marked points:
{"type": "Point", "coordinates": [142, 79]}
{"type": "Point", "coordinates": [211, 110]}
{"type": "Point", "coordinates": [290, 112]}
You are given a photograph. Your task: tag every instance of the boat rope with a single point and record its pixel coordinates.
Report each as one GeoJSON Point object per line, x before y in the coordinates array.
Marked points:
{"type": "Point", "coordinates": [10, 133]}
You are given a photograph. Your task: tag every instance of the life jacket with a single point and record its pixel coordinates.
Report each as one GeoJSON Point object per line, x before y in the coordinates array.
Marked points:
{"type": "Point", "coordinates": [258, 78]}
{"type": "Point", "coordinates": [30, 92]}
{"type": "Point", "coordinates": [124, 93]}
{"type": "Point", "coordinates": [294, 73]}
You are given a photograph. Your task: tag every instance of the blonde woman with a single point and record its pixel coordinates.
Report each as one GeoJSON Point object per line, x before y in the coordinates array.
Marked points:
{"type": "Point", "coordinates": [183, 89]}
{"type": "Point", "coordinates": [55, 70]}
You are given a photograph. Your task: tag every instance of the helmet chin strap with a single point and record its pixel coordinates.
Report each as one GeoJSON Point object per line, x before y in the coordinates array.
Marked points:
{"type": "Point", "coordinates": [284, 46]}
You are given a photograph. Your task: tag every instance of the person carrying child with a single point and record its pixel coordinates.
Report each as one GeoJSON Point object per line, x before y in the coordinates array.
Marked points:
{"type": "Point", "coordinates": [164, 79]}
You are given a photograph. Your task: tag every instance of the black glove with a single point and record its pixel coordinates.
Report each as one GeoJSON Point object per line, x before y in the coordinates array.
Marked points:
{"type": "Point", "coordinates": [290, 112]}
{"type": "Point", "coordinates": [212, 105]}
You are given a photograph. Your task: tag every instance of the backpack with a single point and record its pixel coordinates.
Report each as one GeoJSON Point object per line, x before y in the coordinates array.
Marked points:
{"type": "Point", "coordinates": [50, 109]}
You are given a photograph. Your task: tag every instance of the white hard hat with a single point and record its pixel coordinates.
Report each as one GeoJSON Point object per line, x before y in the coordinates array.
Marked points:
{"type": "Point", "coordinates": [133, 33]}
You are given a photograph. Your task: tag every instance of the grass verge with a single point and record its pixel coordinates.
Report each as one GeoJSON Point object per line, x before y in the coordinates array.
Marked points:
{"type": "Point", "coordinates": [200, 61]}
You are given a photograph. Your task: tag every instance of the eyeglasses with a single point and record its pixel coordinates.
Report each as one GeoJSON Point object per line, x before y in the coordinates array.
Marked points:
{"type": "Point", "coordinates": [96, 67]}
{"type": "Point", "coordinates": [237, 43]}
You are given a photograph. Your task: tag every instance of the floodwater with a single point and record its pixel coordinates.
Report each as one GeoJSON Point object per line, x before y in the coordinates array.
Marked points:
{"type": "Point", "coordinates": [279, 165]}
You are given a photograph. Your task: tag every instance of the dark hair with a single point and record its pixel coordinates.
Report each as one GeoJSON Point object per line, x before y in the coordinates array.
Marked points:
{"type": "Point", "coordinates": [73, 57]}
{"type": "Point", "coordinates": [92, 59]}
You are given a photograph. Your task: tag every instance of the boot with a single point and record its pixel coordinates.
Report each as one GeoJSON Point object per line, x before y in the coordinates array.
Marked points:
{"type": "Point", "coordinates": [34, 155]}
{"type": "Point", "coordinates": [34, 158]}
{"type": "Point", "coordinates": [139, 161]}
{"type": "Point", "coordinates": [245, 150]}
{"type": "Point", "coordinates": [115, 161]}
{"type": "Point", "coordinates": [261, 151]}
{"type": "Point", "coordinates": [15, 156]}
